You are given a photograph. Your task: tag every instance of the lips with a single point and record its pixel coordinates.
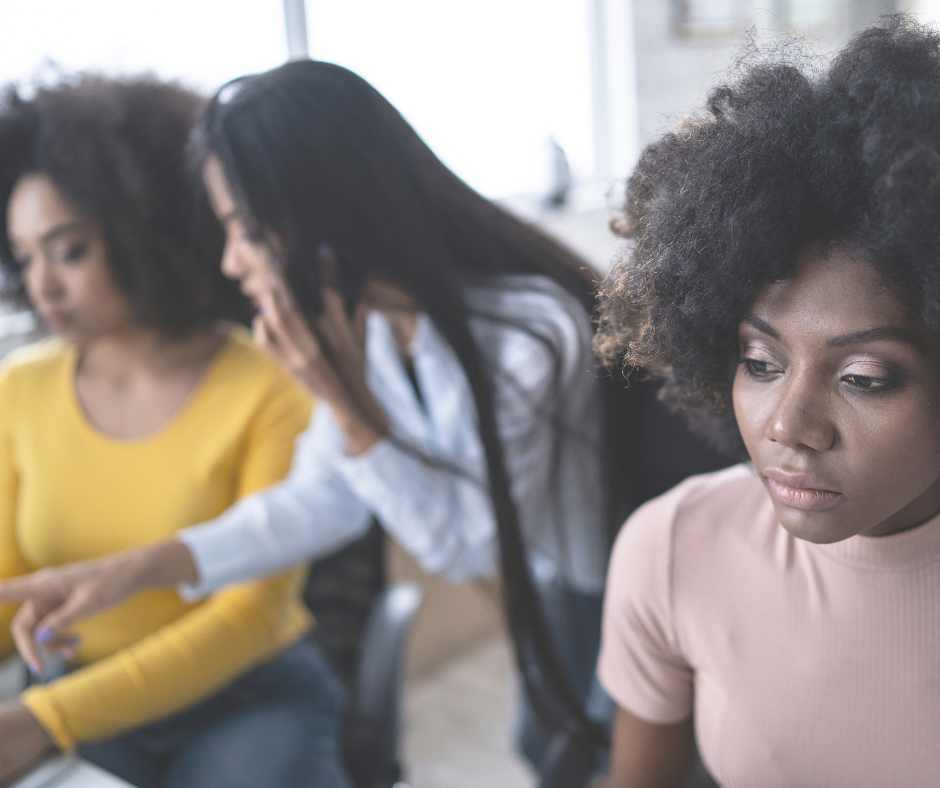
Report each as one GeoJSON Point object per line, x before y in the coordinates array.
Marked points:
{"type": "Point", "coordinates": [56, 321]}
{"type": "Point", "coordinates": [801, 491]}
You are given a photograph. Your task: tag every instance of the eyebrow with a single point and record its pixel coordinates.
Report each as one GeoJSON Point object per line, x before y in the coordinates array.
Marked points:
{"type": "Point", "coordinates": [879, 334]}
{"type": "Point", "coordinates": [61, 229]}
{"type": "Point", "coordinates": [55, 232]}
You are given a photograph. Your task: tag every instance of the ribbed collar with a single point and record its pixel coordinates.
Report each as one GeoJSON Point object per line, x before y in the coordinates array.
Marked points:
{"type": "Point", "coordinates": [898, 552]}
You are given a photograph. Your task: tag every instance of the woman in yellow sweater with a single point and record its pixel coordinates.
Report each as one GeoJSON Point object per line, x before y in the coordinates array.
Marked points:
{"type": "Point", "coordinates": [143, 414]}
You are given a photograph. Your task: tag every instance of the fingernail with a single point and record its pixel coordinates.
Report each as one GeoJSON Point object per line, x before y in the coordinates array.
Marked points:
{"type": "Point", "coordinates": [34, 671]}
{"type": "Point", "coordinates": [44, 635]}
{"type": "Point", "coordinates": [325, 250]}
{"type": "Point", "coordinates": [276, 262]}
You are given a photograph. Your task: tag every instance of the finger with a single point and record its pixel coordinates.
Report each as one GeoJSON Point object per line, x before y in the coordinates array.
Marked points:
{"type": "Point", "coordinates": [19, 589]}
{"type": "Point", "coordinates": [334, 313]}
{"type": "Point", "coordinates": [21, 628]}
{"type": "Point", "coordinates": [262, 336]}
{"type": "Point", "coordinates": [289, 315]}
{"type": "Point", "coordinates": [81, 603]}
{"type": "Point", "coordinates": [64, 645]}
{"type": "Point", "coordinates": [273, 323]}
{"type": "Point", "coordinates": [298, 347]}
{"type": "Point", "coordinates": [359, 324]}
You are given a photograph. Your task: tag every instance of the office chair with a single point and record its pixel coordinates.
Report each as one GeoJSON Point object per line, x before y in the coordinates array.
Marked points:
{"type": "Point", "coordinates": [370, 735]}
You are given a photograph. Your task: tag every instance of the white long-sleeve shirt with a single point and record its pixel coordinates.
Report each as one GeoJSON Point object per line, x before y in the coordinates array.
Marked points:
{"type": "Point", "coordinates": [548, 416]}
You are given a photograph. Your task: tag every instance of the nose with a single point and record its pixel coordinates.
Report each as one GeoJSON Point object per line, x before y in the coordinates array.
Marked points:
{"type": "Point", "coordinates": [232, 265]}
{"type": "Point", "coordinates": [43, 283]}
{"type": "Point", "coordinates": [800, 416]}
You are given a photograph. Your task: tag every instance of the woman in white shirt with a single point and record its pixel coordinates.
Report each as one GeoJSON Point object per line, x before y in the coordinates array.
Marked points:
{"type": "Point", "coordinates": [450, 348]}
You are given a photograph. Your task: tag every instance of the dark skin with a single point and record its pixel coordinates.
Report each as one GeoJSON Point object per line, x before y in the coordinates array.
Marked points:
{"type": "Point", "coordinates": [836, 396]}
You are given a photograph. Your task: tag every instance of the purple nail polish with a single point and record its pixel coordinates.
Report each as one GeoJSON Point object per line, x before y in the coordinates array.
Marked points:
{"type": "Point", "coordinates": [325, 250]}
{"type": "Point", "coordinates": [44, 635]}
{"type": "Point", "coordinates": [33, 670]}
{"type": "Point", "coordinates": [276, 262]}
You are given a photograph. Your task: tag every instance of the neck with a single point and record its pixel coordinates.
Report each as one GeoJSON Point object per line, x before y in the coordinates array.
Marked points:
{"type": "Point", "coordinates": [136, 350]}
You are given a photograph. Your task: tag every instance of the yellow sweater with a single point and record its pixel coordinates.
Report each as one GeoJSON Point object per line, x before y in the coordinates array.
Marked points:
{"type": "Point", "coordinates": [67, 493]}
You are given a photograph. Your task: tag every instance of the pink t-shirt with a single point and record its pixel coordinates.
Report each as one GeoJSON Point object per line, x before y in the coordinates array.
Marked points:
{"type": "Point", "coordinates": [806, 665]}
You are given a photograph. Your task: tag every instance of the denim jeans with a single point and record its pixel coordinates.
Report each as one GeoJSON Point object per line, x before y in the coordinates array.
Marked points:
{"type": "Point", "coordinates": [574, 619]}
{"type": "Point", "coordinates": [277, 726]}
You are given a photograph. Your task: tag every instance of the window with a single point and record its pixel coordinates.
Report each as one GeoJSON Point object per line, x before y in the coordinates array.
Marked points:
{"type": "Point", "coordinates": [201, 42]}
{"type": "Point", "coordinates": [486, 84]}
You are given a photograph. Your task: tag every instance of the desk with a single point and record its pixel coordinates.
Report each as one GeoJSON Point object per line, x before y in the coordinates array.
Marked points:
{"type": "Point", "coordinates": [69, 772]}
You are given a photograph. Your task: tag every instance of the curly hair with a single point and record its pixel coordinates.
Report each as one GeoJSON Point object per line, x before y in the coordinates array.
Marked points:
{"type": "Point", "coordinates": [117, 150]}
{"type": "Point", "coordinates": [784, 155]}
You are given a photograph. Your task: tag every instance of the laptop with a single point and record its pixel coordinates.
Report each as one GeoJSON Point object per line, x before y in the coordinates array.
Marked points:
{"type": "Point", "coordinates": [65, 771]}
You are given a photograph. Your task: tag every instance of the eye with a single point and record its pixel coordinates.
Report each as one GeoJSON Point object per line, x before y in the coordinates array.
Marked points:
{"type": "Point", "coordinates": [74, 252]}
{"type": "Point", "coordinates": [760, 369]}
{"type": "Point", "coordinates": [866, 383]}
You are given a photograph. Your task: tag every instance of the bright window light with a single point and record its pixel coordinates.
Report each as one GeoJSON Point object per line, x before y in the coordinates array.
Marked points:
{"type": "Point", "coordinates": [487, 84]}
{"type": "Point", "coordinates": [201, 42]}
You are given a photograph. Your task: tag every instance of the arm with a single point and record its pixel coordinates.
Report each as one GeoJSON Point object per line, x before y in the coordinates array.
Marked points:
{"type": "Point", "coordinates": [445, 518]}
{"type": "Point", "coordinates": [193, 656]}
{"type": "Point", "coordinates": [309, 514]}
{"type": "Point", "coordinates": [176, 666]}
{"type": "Point", "coordinates": [645, 755]}
{"type": "Point", "coordinates": [642, 664]}
{"type": "Point", "coordinates": [22, 739]}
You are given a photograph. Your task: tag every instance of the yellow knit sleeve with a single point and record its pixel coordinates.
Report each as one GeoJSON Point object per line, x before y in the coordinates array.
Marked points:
{"type": "Point", "coordinates": [12, 562]}
{"type": "Point", "coordinates": [186, 661]}
{"type": "Point", "coordinates": [175, 667]}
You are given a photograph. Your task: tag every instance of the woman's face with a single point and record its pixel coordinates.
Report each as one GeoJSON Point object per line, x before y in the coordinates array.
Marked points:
{"type": "Point", "coordinates": [246, 259]}
{"type": "Point", "coordinates": [837, 397]}
{"type": "Point", "coordinates": [65, 263]}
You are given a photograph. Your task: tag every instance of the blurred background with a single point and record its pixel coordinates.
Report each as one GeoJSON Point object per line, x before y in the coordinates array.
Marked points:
{"type": "Point", "coordinates": [542, 105]}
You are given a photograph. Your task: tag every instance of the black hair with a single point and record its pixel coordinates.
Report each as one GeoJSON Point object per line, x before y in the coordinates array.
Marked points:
{"type": "Point", "coordinates": [785, 155]}
{"type": "Point", "coordinates": [117, 150]}
{"type": "Point", "coordinates": [314, 155]}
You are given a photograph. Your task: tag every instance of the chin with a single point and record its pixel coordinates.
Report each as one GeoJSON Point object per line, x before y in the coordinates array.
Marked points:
{"type": "Point", "coordinates": [816, 527]}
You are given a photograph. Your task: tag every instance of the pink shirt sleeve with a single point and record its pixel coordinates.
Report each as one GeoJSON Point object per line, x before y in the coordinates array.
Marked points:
{"type": "Point", "coordinates": [641, 664]}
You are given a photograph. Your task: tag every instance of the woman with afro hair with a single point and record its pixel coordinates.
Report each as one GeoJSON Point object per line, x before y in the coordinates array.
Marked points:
{"type": "Point", "coordinates": [148, 409]}
{"type": "Point", "coordinates": [782, 276]}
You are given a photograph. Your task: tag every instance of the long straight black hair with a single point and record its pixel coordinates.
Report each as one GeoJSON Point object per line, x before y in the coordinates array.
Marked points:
{"type": "Point", "coordinates": [314, 155]}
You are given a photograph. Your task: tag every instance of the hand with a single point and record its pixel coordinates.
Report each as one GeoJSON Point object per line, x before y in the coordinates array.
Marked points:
{"type": "Point", "coordinates": [22, 741]}
{"type": "Point", "coordinates": [335, 373]}
{"type": "Point", "coordinates": [56, 597]}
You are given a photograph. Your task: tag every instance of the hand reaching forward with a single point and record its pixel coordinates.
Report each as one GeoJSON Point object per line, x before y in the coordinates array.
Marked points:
{"type": "Point", "coordinates": [328, 360]}
{"type": "Point", "coordinates": [57, 597]}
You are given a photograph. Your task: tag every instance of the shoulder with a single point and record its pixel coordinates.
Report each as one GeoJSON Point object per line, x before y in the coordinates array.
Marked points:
{"type": "Point", "coordinates": [531, 319]}
{"type": "Point", "coordinates": [693, 511]}
{"type": "Point", "coordinates": [34, 366]}
{"type": "Point", "coordinates": [528, 299]}
{"type": "Point", "coordinates": [245, 370]}
{"type": "Point", "coordinates": [244, 362]}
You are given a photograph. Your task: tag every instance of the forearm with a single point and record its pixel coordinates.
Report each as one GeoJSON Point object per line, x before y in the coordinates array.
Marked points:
{"type": "Point", "coordinates": [291, 523]}
{"type": "Point", "coordinates": [444, 519]}
{"type": "Point", "coordinates": [176, 666]}
{"type": "Point", "coordinates": [166, 563]}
